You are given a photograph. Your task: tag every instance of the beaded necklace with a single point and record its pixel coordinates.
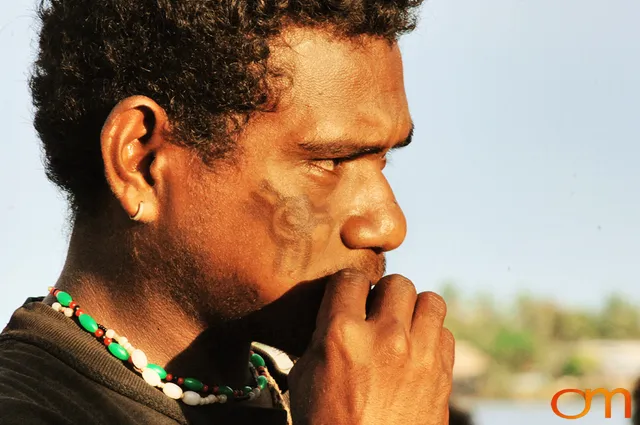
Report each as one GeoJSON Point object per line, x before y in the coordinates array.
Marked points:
{"type": "Point", "coordinates": [190, 391]}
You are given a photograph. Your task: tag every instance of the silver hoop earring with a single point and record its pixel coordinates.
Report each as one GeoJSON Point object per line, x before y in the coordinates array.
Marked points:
{"type": "Point", "coordinates": [138, 214]}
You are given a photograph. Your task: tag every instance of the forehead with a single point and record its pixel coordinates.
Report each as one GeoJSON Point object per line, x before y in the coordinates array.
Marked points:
{"type": "Point", "coordinates": [341, 88]}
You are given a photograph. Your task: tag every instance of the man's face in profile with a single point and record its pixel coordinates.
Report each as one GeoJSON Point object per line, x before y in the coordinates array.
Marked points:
{"type": "Point", "coordinates": [306, 195]}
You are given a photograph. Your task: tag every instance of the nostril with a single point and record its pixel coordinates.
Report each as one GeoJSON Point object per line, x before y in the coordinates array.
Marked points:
{"type": "Point", "coordinates": [378, 250]}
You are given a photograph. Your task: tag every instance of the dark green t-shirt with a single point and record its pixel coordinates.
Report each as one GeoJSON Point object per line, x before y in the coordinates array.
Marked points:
{"type": "Point", "coordinates": [52, 372]}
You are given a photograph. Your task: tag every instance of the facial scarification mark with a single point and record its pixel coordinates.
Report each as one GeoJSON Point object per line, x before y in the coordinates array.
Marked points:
{"type": "Point", "coordinates": [291, 223]}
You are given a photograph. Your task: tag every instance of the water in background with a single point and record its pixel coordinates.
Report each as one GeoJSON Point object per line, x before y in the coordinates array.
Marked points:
{"type": "Point", "coordinates": [540, 413]}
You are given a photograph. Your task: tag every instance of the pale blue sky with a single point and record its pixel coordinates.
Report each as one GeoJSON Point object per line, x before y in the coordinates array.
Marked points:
{"type": "Point", "coordinates": [523, 174]}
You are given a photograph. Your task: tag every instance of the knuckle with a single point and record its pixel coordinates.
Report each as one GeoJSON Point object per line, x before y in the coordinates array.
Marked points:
{"type": "Point", "coordinates": [344, 341]}
{"type": "Point", "coordinates": [447, 378]}
{"type": "Point", "coordinates": [444, 384]}
{"type": "Point", "coordinates": [449, 349]}
{"type": "Point", "coordinates": [435, 303]}
{"type": "Point", "coordinates": [447, 337]}
{"type": "Point", "coordinates": [398, 346]}
{"type": "Point", "coordinates": [397, 343]}
{"type": "Point", "coordinates": [341, 330]}
{"type": "Point", "coordinates": [401, 283]}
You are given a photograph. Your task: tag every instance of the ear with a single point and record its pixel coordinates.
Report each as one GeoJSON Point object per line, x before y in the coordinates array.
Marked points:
{"type": "Point", "coordinates": [130, 138]}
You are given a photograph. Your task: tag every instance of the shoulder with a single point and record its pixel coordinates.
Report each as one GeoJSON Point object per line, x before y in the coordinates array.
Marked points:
{"type": "Point", "coordinates": [23, 388]}
{"type": "Point", "coordinates": [24, 366]}
{"type": "Point", "coordinates": [21, 367]}
{"type": "Point", "coordinates": [17, 410]}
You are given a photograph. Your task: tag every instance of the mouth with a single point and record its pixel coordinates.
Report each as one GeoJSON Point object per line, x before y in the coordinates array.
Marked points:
{"type": "Point", "coordinates": [373, 266]}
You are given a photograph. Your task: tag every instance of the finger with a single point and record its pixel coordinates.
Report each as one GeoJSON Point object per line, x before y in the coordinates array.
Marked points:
{"type": "Point", "coordinates": [428, 318]}
{"type": "Point", "coordinates": [345, 294]}
{"type": "Point", "coordinates": [393, 298]}
{"type": "Point", "coordinates": [447, 349]}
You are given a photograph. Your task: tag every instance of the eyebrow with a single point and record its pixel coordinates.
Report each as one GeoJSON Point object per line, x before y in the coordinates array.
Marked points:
{"type": "Point", "coordinates": [350, 150]}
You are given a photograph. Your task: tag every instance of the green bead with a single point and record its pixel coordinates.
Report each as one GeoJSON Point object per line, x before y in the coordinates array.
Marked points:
{"type": "Point", "coordinates": [88, 323]}
{"type": "Point", "coordinates": [193, 384]}
{"type": "Point", "coordinates": [159, 370]}
{"type": "Point", "coordinates": [64, 298]}
{"type": "Point", "coordinates": [246, 390]}
{"type": "Point", "coordinates": [226, 391]}
{"type": "Point", "coordinates": [262, 382]}
{"type": "Point", "coordinates": [118, 351]}
{"type": "Point", "coordinates": [257, 360]}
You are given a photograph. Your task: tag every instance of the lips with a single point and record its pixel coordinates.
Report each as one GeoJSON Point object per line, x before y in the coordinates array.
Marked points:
{"type": "Point", "coordinates": [372, 265]}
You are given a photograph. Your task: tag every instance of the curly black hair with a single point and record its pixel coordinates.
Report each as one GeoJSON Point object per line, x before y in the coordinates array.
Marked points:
{"type": "Point", "coordinates": [204, 61]}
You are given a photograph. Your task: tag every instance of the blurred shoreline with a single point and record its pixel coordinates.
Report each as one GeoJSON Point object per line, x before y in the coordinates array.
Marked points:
{"type": "Point", "coordinates": [531, 348]}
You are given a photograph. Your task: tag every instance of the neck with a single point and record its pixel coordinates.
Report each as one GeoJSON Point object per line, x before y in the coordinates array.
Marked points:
{"type": "Point", "coordinates": [117, 294]}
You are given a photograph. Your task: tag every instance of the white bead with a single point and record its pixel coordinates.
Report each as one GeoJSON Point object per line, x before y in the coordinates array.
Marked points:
{"type": "Point", "coordinates": [173, 391]}
{"type": "Point", "coordinates": [68, 312]}
{"type": "Point", "coordinates": [252, 395]}
{"type": "Point", "coordinates": [208, 399]}
{"type": "Point", "coordinates": [256, 391]}
{"type": "Point", "coordinates": [110, 333]}
{"type": "Point", "coordinates": [129, 348]}
{"type": "Point", "coordinates": [151, 377]}
{"type": "Point", "coordinates": [139, 359]}
{"type": "Point", "coordinates": [56, 306]}
{"type": "Point", "coordinates": [222, 398]}
{"type": "Point", "coordinates": [191, 398]}
{"type": "Point", "coordinates": [122, 340]}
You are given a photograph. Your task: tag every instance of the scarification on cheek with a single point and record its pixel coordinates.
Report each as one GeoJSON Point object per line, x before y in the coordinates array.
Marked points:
{"type": "Point", "coordinates": [291, 223]}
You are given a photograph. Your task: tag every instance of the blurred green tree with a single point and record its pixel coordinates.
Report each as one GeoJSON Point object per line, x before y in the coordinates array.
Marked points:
{"type": "Point", "coordinates": [515, 349]}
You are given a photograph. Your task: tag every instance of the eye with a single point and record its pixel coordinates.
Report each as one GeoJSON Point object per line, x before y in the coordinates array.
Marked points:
{"type": "Point", "coordinates": [385, 159]}
{"type": "Point", "coordinates": [329, 164]}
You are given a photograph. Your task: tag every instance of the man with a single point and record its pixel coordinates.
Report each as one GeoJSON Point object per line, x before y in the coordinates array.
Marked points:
{"type": "Point", "coordinates": [223, 164]}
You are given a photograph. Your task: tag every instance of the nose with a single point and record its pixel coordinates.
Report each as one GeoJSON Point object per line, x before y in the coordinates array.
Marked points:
{"type": "Point", "coordinates": [379, 223]}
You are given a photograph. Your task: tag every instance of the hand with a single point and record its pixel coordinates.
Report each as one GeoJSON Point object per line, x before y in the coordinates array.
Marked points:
{"type": "Point", "coordinates": [390, 365]}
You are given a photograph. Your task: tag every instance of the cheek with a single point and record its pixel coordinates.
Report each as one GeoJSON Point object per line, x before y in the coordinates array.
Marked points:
{"type": "Point", "coordinates": [262, 238]}
{"type": "Point", "coordinates": [233, 241]}
{"type": "Point", "coordinates": [298, 228]}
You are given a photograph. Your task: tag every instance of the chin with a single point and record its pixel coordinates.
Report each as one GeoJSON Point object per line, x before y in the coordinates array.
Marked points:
{"type": "Point", "coordinates": [288, 322]}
